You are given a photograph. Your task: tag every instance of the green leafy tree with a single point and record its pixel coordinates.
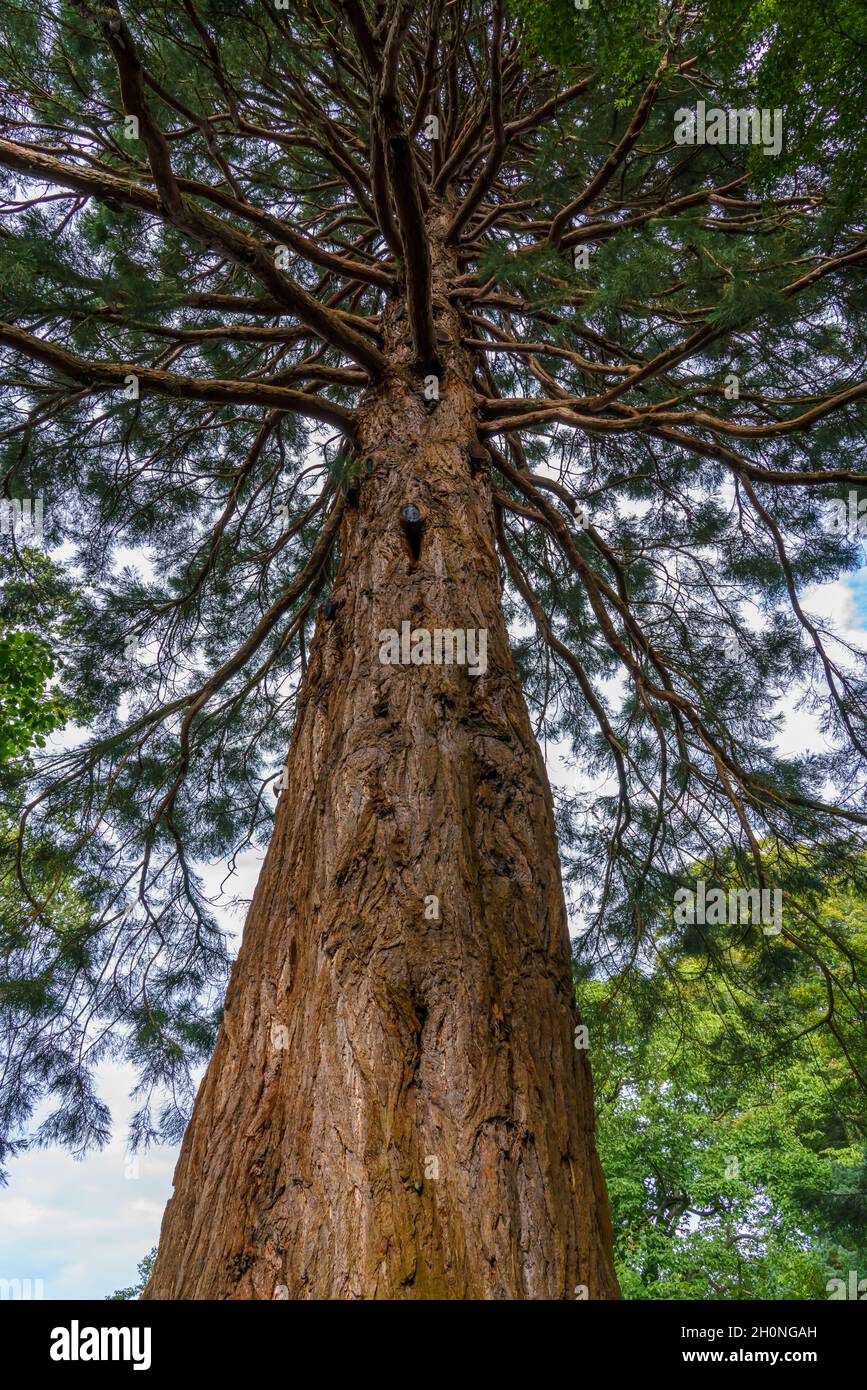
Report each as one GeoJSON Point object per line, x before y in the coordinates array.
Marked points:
{"type": "Point", "coordinates": [25, 666]}
{"type": "Point", "coordinates": [731, 1118]}
{"type": "Point", "coordinates": [145, 1270]}
{"type": "Point", "coordinates": [37, 615]}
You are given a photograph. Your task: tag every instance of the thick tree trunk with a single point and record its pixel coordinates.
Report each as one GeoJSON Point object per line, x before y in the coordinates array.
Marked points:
{"type": "Point", "coordinates": [395, 1107]}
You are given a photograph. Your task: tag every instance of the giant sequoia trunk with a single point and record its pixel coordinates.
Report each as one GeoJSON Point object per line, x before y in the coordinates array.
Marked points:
{"type": "Point", "coordinates": [395, 1107]}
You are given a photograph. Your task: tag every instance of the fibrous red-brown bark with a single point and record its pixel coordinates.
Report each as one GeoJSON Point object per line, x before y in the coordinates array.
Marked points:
{"type": "Point", "coordinates": [395, 1107]}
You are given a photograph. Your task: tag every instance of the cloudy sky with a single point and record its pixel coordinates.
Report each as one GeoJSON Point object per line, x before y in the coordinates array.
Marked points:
{"type": "Point", "coordinates": [82, 1227]}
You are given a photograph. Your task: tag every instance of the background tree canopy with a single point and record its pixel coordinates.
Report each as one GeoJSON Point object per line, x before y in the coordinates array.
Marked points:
{"type": "Point", "coordinates": [670, 419]}
{"type": "Point", "coordinates": [37, 621]}
{"type": "Point", "coordinates": [731, 1123]}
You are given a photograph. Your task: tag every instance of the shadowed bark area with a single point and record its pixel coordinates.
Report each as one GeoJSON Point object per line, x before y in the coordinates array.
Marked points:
{"type": "Point", "coordinates": [395, 1107]}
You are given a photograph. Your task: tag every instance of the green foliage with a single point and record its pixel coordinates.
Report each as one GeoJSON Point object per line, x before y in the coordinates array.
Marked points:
{"type": "Point", "coordinates": [731, 1121]}
{"type": "Point", "coordinates": [623, 37]}
{"type": "Point", "coordinates": [145, 1269]}
{"type": "Point", "coordinates": [26, 716]}
{"type": "Point", "coordinates": [804, 58]}
{"type": "Point", "coordinates": [34, 593]}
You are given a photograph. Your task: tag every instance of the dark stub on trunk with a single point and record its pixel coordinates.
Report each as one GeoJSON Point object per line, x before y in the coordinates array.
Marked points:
{"type": "Point", "coordinates": [396, 1107]}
